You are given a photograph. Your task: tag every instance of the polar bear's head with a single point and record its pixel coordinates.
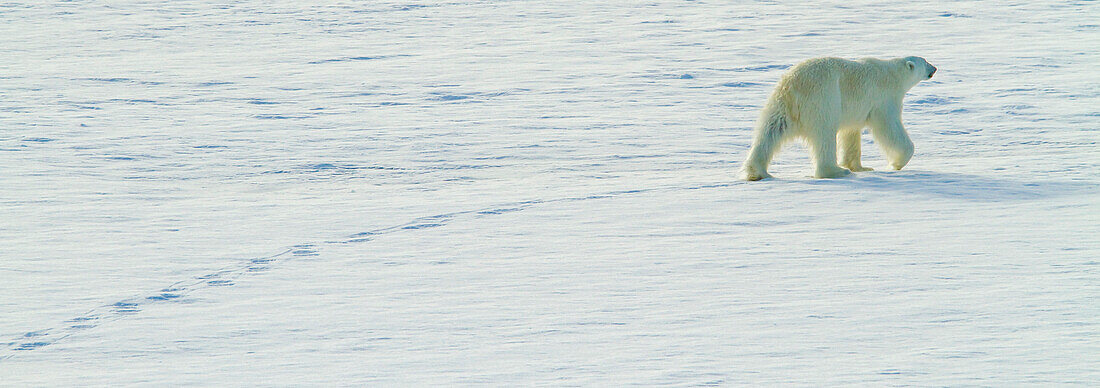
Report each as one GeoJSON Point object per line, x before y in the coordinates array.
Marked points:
{"type": "Point", "coordinates": [919, 68]}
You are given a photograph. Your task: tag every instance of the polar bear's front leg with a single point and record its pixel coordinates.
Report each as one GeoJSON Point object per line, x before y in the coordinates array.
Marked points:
{"type": "Point", "coordinates": [895, 143]}
{"type": "Point", "coordinates": [848, 141]}
{"type": "Point", "coordinates": [891, 136]}
{"type": "Point", "coordinates": [901, 157]}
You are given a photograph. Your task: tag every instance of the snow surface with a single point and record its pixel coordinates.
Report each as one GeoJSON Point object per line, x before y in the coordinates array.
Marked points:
{"type": "Point", "coordinates": [537, 193]}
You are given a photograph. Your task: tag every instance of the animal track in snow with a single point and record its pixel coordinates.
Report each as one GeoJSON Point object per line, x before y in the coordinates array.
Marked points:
{"type": "Point", "coordinates": [227, 277]}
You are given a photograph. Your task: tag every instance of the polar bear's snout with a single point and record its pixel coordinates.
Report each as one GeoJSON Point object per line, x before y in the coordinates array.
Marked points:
{"type": "Point", "coordinates": [932, 72]}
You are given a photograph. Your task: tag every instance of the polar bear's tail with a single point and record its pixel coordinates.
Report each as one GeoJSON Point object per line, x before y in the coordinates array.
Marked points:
{"type": "Point", "coordinates": [771, 131]}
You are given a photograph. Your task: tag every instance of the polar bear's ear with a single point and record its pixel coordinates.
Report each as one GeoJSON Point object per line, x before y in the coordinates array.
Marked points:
{"type": "Point", "coordinates": [911, 65]}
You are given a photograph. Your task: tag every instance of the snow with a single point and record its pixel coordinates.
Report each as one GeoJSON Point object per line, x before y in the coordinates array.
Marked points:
{"type": "Point", "coordinates": [537, 193]}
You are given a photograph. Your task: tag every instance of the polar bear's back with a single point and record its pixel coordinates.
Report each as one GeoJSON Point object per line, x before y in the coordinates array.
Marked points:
{"type": "Point", "coordinates": [813, 75]}
{"type": "Point", "coordinates": [851, 88]}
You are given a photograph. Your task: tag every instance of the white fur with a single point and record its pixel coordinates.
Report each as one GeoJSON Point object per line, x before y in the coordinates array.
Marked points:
{"type": "Point", "coordinates": [828, 102]}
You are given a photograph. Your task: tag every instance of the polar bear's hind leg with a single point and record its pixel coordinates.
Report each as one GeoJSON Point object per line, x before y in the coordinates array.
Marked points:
{"type": "Point", "coordinates": [769, 136]}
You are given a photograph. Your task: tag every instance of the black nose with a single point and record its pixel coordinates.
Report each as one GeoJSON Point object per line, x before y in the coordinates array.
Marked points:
{"type": "Point", "coordinates": [933, 72]}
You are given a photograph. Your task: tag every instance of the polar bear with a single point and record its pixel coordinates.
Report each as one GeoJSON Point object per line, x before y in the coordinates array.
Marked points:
{"type": "Point", "coordinates": [828, 102]}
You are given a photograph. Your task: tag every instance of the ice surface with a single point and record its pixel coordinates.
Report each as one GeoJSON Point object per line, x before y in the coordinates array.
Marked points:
{"type": "Point", "coordinates": [537, 193]}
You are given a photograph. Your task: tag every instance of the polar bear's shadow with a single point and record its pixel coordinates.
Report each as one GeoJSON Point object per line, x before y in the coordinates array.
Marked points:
{"type": "Point", "coordinates": [954, 185]}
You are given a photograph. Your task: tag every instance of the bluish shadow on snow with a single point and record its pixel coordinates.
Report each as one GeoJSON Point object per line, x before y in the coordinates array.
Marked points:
{"type": "Point", "coordinates": [967, 187]}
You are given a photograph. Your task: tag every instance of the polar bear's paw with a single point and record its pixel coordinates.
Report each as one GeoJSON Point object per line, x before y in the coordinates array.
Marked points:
{"type": "Point", "coordinates": [752, 174]}
{"type": "Point", "coordinates": [835, 172]}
